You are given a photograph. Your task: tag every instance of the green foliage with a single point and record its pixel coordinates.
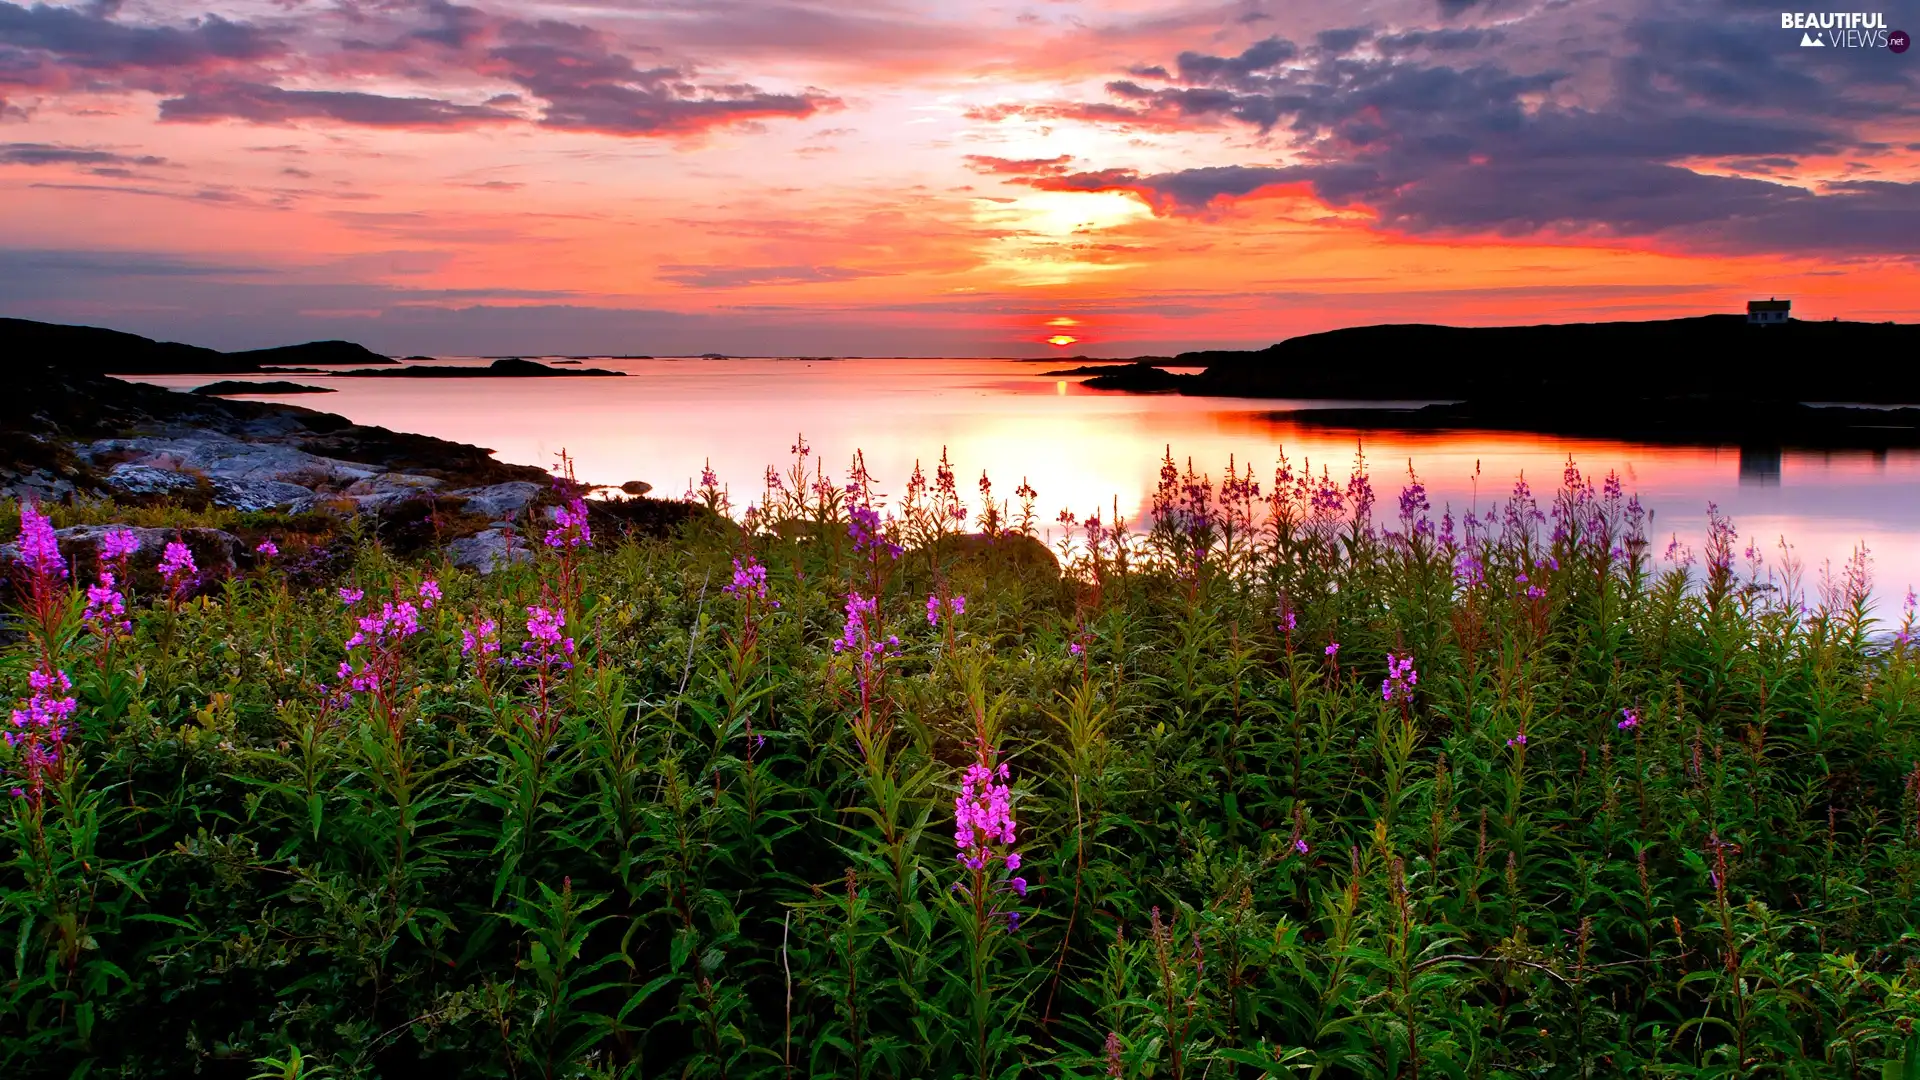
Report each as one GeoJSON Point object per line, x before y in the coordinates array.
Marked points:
{"type": "Point", "coordinates": [715, 846]}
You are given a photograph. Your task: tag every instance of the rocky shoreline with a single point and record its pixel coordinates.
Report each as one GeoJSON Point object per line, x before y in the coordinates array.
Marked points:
{"type": "Point", "coordinates": [68, 435]}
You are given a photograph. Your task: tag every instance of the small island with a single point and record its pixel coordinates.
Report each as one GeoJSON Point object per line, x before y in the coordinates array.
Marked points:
{"type": "Point", "coordinates": [510, 367]}
{"type": "Point", "coordinates": [237, 387]}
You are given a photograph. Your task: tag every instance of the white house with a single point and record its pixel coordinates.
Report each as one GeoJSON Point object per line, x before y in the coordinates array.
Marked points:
{"type": "Point", "coordinates": [1768, 312]}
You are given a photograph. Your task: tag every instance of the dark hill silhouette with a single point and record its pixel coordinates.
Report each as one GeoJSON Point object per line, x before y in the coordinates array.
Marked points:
{"type": "Point", "coordinates": [101, 351]}
{"type": "Point", "coordinates": [322, 353]}
{"type": "Point", "coordinates": [1714, 356]}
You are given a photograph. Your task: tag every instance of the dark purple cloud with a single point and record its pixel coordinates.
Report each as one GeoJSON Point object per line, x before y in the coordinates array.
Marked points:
{"type": "Point", "coordinates": [259, 103]}
{"type": "Point", "coordinates": [564, 75]}
{"type": "Point", "coordinates": [87, 38]}
{"type": "Point", "coordinates": [587, 86]}
{"type": "Point", "coordinates": [1437, 131]}
{"type": "Point", "coordinates": [25, 153]}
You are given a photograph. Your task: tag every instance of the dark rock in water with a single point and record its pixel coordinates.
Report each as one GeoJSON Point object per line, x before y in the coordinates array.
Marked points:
{"type": "Point", "coordinates": [237, 388]}
{"type": "Point", "coordinates": [416, 359]}
{"type": "Point", "coordinates": [636, 487]}
{"type": "Point", "coordinates": [507, 367]}
{"type": "Point", "coordinates": [1140, 378]}
{"type": "Point", "coordinates": [569, 360]}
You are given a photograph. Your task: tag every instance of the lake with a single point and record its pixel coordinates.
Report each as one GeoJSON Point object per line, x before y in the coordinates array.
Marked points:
{"type": "Point", "coordinates": [1082, 448]}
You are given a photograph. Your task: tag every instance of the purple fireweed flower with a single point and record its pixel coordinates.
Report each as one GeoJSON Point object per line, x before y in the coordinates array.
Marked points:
{"type": "Point", "coordinates": [1333, 650]}
{"type": "Point", "coordinates": [865, 529]}
{"type": "Point", "coordinates": [350, 596]}
{"type": "Point", "coordinates": [177, 568]}
{"type": "Point", "coordinates": [429, 594]}
{"type": "Point", "coordinates": [1075, 648]}
{"type": "Point", "coordinates": [1288, 622]}
{"type": "Point", "coordinates": [118, 545]}
{"type": "Point", "coordinates": [1629, 719]}
{"type": "Point", "coordinates": [1300, 845]}
{"type": "Point", "coordinates": [1401, 678]}
{"type": "Point", "coordinates": [570, 527]}
{"type": "Point", "coordinates": [1019, 886]}
{"type": "Point", "coordinates": [957, 605]}
{"type": "Point", "coordinates": [484, 637]}
{"type": "Point", "coordinates": [749, 581]}
{"type": "Point", "coordinates": [39, 729]}
{"type": "Point", "coordinates": [106, 606]}
{"type": "Point", "coordinates": [1519, 739]}
{"type": "Point", "coordinates": [983, 815]}
{"type": "Point", "coordinates": [1468, 571]}
{"type": "Point", "coordinates": [391, 623]}
{"type": "Point", "coordinates": [546, 645]}
{"type": "Point", "coordinates": [267, 549]}
{"type": "Point", "coordinates": [39, 547]}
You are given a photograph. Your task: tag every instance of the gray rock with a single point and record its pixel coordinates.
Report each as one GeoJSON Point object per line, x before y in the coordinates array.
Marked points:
{"type": "Point", "coordinates": [489, 550]}
{"type": "Point", "coordinates": [220, 456]}
{"type": "Point", "coordinates": [501, 502]}
{"type": "Point", "coordinates": [257, 494]}
{"type": "Point", "coordinates": [148, 480]}
{"type": "Point", "coordinates": [377, 492]}
{"type": "Point", "coordinates": [636, 487]}
{"type": "Point", "coordinates": [38, 485]}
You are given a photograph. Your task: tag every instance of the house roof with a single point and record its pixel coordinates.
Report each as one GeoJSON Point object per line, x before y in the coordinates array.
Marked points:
{"type": "Point", "coordinates": [1769, 305]}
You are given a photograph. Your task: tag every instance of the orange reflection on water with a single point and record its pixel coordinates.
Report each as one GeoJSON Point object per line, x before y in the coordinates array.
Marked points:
{"type": "Point", "coordinates": [1084, 449]}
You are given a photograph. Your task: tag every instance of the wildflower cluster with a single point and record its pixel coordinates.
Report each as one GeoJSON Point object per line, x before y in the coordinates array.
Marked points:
{"type": "Point", "coordinates": [1401, 678]}
{"type": "Point", "coordinates": [38, 733]}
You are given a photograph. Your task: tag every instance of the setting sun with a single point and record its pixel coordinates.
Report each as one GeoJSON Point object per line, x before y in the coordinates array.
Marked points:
{"type": "Point", "coordinates": [1062, 340]}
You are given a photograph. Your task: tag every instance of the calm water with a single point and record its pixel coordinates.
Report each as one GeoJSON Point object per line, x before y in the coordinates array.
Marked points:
{"type": "Point", "coordinates": [1081, 448]}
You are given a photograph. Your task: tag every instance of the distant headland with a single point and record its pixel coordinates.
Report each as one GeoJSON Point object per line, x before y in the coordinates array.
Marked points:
{"type": "Point", "coordinates": [1710, 378]}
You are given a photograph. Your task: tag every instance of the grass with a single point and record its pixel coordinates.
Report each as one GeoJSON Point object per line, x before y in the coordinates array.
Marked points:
{"type": "Point", "coordinates": [685, 835]}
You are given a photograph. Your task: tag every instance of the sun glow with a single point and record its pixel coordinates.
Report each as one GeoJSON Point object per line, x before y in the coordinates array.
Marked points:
{"type": "Point", "coordinates": [1062, 340]}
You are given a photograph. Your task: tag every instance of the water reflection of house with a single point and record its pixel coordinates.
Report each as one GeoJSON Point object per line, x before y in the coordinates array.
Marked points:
{"type": "Point", "coordinates": [1768, 312]}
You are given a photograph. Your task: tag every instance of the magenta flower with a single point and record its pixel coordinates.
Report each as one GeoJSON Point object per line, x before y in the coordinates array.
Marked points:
{"type": "Point", "coordinates": [983, 816]}
{"type": "Point", "coordinates": [39, 547]}
{"type": "Point", "coordinates": [1629, 719]}
{"type": "Point", "coordinates": [350, 596]}
{"type": "Point", "coordinates": [749, 581]}
{"type": "Point", "coordinates": [429, 594]}
{"type": "Point", "coordinates": [957, 604]}
{"type": "Point", "coordinates": [1300, 845]}
{"type": "Point", "coordinates": [1519, 739]}
{"type": "Point", "coordinates": [267, 549]}
{"type": "Point", "coordinates": [570, 528]}
{"type": "Point", "coordinates": [546, 646]}
{"type": "Point", "coordinates": [39, 730]}
{"type": "Point", "coordinates": [1401, 678]}
{"type": "Point", "coordinates": [1333, 650]}
{"type": "Point", "coordinates": [106, 606]}
{"type": "Point", "coordinates": [485, 637]}
{"type": "Point", "coordinates": [118, 545]}
{"type": "Point", "coordinates": [177, 568]}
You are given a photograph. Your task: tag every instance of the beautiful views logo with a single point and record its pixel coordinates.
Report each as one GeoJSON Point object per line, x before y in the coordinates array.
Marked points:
{"type": "Point", "coordinates": [1844, 30]}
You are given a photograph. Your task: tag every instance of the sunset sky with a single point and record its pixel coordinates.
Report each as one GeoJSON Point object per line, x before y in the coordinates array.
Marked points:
{"type": "Point", "coordinates": [938, 177]}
